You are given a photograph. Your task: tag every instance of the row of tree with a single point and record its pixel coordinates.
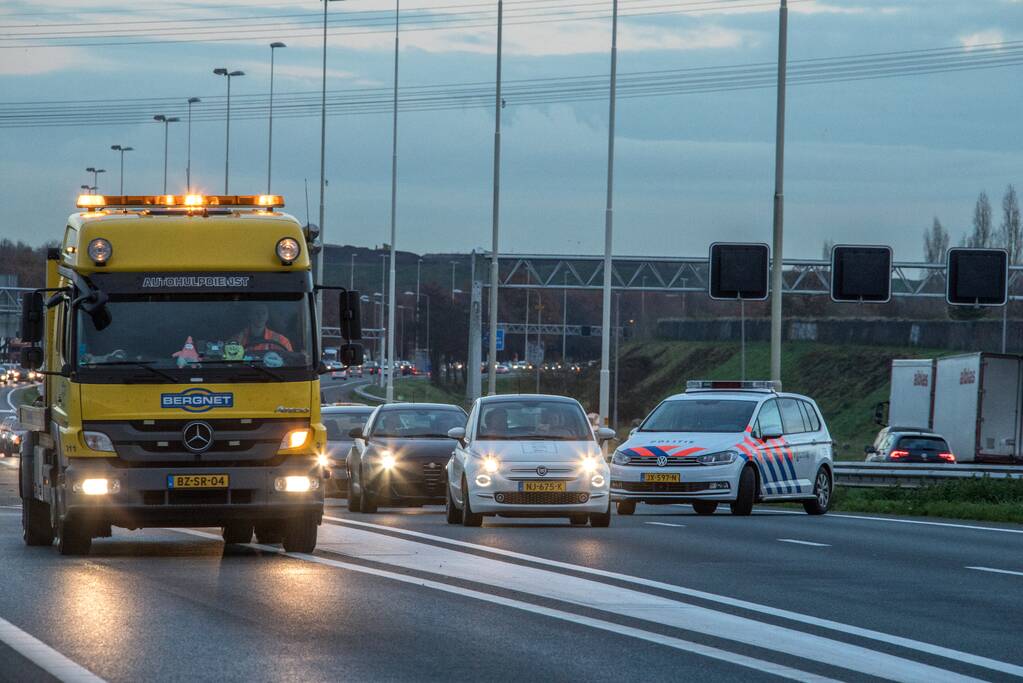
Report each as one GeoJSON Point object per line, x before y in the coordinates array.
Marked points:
{"type": "Point", "coordinates": [1007, 235]}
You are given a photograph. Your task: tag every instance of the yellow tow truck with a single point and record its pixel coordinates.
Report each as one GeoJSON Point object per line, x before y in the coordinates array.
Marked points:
{"type": "Point", "coordinates": [178, 342]}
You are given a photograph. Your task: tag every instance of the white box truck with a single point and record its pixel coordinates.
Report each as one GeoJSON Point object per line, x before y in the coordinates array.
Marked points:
{"type": "Point", "coordinates": [911, 401]}
{"type": "Point", "coordinates": [977, 400]}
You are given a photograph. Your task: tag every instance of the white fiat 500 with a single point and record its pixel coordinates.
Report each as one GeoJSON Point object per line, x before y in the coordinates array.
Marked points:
{"type": "Point", "coordinates": [528, 456]}
{"type": "Point", "coordinates": [726, 442]}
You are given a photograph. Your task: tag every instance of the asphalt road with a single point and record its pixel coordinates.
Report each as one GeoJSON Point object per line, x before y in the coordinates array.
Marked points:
{"type": "Point", "coordinates": [342, 390]}
{"type": "Point", "coordinates": [401, 595]}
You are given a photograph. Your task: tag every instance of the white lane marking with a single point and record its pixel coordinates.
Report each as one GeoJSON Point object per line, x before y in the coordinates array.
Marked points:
{"type": "Point", "coordinates": [909, 643]}
{"type": "Point", "coordinates": [996, 571]}
{"type": "Point", "coordinates": [816, 545]}
{"type": "Point", "coordinates": [972, 527]}
{"type": "Point", "coordinates": [587, 593]}
{"type": "Point", "coordinates": [664, 524]}
{"type": "Point", "coordinates": [13, 507]}
{"type": "Point", "coordinates": [7, 462]}
{"type": "Point", "coordinates": [44, 656]}
{"type": "Point", "coordinates": [656, 638]}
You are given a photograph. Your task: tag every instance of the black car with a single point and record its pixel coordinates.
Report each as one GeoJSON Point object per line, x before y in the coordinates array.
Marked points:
{"type": "Point", "coordinates": [398, 458]}
{"type": "Point", "coordinates": [905, 444]}
{"type": "Point", "coordinates": [339, 421]}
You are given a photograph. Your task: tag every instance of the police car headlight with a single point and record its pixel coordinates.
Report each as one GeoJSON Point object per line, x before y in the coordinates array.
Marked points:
{"type": "Point", "coordinates": [98, 441]}
{"type": "Point", "coordinates": [721, 458]}
{"type": "Point", "coordinates": [288, 250]}
{"type": "Point", "coordinates": [100, 251]}
{"type": "Point", "coordinates": [620, 458]}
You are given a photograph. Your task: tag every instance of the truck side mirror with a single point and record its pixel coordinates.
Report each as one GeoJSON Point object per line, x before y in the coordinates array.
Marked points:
{"type": "Point", "coordinates": [350, 354]}
{"type": "Point", "coordinates": [32, 317]}
{"type": "Point", "coordinates": [350, 316]}
{"type": "Point", "coordinates": [31, 357]}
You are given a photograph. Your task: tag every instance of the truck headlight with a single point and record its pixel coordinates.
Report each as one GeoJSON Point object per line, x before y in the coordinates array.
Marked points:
{"type": "Point", "coordinates": [98, 441]}
{"type": "Point", "coordinates": [296, 438]}
{"type": "Point", "coordinates": [720, 458]}
{"type": "Point", "coordinates": [97, 487]}
{"type": "Point", "coordinates": [288, 250]}
{"type": "Point", "coordinates": [620, 458]}
{"type": "Point", "coordinates": [296, 484]}
{"type": "Point", "coordinates": [100, 251]}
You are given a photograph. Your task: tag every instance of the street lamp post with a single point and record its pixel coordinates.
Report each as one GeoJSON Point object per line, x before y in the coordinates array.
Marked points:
{"type": "Point", "coordinates": [454, 264]}
{"type": "Point", "coordinates": [779, 197]}
{"type": "Point", "coordinates": [496, 217]}
{"type": "Point", "coordinates": [166, 121]}
{"type": "Point", "coordinates": [188, 162]}
{"type": "Point", "coordinates": [351, 273]}
{"type": "Point", "coordinates": [122, 150]}
{"type": "Point", "coordinates": [419, 273]}
{"type": "Point", "coordinates": [605, 337]}
{"type": "Point", "coordinates": [394, 207]}
{"type": "Point", "coordinates": [222, 71]}
{"type": "Point", "coordinates": [95, 176]}
{"type": "Point", "coordinates": [385, 329]}
{"type": "Point", "coordinates": [270, 134]}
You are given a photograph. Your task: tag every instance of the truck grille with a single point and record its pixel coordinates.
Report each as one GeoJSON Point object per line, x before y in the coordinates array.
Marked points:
{"type": "Point", "coordinates": [541, 498]}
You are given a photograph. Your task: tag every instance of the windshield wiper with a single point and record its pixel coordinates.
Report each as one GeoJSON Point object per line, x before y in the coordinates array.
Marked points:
{"type": "Point", "coordinates": [247, 364]}
{"type": "Point", "coordinates": [144, 364]}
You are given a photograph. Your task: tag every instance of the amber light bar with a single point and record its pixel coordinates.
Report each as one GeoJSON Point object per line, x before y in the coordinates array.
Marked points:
{"type": "Point", "coordinates": [97, 201]}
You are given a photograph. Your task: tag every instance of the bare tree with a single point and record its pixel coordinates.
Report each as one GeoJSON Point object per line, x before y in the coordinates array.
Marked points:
{"type": "Point", "coordinates": [982, 235]}
{"type": "Point", "coordinates": [936, 241]}
{"type": "Point", "coordinates": [1011, 234]}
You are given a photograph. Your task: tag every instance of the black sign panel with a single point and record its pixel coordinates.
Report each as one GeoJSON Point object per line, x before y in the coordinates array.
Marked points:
{"type": "Point", "coordinates": [860, 273]}
{"type": "Point", "coordinates": [977, 277]}
{"type": "Point", "coordinates": [739, 271]}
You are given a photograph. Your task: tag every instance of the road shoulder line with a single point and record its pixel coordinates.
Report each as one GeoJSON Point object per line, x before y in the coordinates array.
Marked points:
{"type": "Point", "coordinates": [44, 656]}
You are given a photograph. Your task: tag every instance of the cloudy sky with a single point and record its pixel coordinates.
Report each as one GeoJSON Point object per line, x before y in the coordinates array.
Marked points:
{"type": "Point", "coordinates": [869, 159]}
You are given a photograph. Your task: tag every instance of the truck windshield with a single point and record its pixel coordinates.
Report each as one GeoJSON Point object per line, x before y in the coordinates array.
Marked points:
{"type": "Point", "coordinates": [162, 332]}
{"type": "Point", "coordinates": [700, 415]}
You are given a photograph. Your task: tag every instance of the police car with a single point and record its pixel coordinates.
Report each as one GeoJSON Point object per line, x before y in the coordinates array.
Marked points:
{"type": "Point", "coordinates": [726, 442]}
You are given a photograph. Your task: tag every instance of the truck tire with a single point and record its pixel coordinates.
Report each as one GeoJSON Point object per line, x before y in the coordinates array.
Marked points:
{"type": "Point", "coordinates": [300, 535]}
{"type": "Point", "coordinates": [704, 507]}
{"type": "Point", "coordinates": [237, 533]}
{"type": "Point", "coordinates": [75, 538]}
{"type": "Point", "coordinates": [269, 533]}
{"type": "Point", "coordinates": [821, 494]}
{"type": "Point", "coordinates": [743, 504]}
{"type": "Point", "coordinates": [626, 507]}
{"type": "Point", "coordinates": [35, 521]}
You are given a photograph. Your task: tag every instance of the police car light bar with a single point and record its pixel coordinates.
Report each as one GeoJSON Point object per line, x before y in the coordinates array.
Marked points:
{"type": "Point", "coordinates": [747, 385]}
{"type": "Point", "coordinates": [188, 201]}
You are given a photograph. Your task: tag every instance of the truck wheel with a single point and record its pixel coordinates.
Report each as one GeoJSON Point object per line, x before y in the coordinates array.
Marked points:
{"type": "Point", "coordinates": [469, 518]}
{"type": "Point", "coordinates": [236, 533]}
{"type": "Point", "coordinates": [75, 538]}
{"type": "Point", "coordinates": [601, 519]}
{"type": "Point", "coordinates": [35, 520]}
{"type": "Point", "coordinates": [704, 507]}
{"type": "Point", "coordinates": [454, 515]}
{"type": "Point", "coordinates": [626, 507]}
{"type": "Point", "coordinates": [743, 504]}
{"type": "Point", "coordinates": [821, 494]}
{"type": "Point", "coordinates": [300, 535]}
{"type": "Point", "coordinates": [269, 533]}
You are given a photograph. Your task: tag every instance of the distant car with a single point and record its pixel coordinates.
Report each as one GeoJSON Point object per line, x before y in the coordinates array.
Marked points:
{"type": "Point", "coordinates": [528, 456]}
{"type": "Point", "coordinates": [11, 434]}
{"type": "Point", "coordinates": [502, 369]}
{"type": "Point", "coordinates": [908, 444]}
{"type": "Point", "coordinates": [339, 421]}
{"type": "Point", "coordinates": [371, 367]}
{"type": "Point", "coordinates": [398, 458]}
{"type": "Point", "coordinates": [727, 442]}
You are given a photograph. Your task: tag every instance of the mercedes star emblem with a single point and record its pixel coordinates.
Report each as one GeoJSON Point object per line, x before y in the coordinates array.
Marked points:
{"type": "Point", "coordinates": [542, 471]}
{"type": "Point", "coordinates": [197, 437]}
{"type": "Point", "coordinates": [662, 460]}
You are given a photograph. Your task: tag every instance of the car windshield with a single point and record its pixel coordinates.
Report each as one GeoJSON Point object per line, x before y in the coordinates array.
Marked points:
{"type": "Point", "coordinates": [534, 420]}
{"type": "Point", "coordinates": [417, 423]}
{"type": "Point", "coordinates": [922, 443]}
{"type": "Point", "coordinates": [171, 332]}
{"type": "Point", "coordinates": [339, 424]}
{"type": "Point", "coordinates": [700, 415]}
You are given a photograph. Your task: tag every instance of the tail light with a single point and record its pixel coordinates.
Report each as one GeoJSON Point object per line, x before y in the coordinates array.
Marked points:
{"type": "Point", "coordinates": [947, 457]}
{"type": "Point", "coordinates": [898, 455]}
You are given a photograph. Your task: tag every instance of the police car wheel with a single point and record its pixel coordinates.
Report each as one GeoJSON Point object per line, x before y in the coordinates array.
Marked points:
{"type": "Point", "coordinates": [705, 507]}
{"type": "Point", "coordinates": [743, 503]}
{"type": "Point", "coordinates": [821, 494]}
{"type": "Point", "coordinates": [625, 507]}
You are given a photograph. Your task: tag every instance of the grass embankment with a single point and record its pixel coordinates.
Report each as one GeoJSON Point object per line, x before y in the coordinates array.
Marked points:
{"type": "Point", "coordinates": [989, 500]}
{"type": "Point", "coordinates": [418, 391]}
{"type": "Point", "coordinates": [25, 395]}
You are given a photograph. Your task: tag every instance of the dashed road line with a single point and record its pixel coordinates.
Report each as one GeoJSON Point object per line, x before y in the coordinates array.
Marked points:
{"type": "Point", "coordinates": [811, 543]}
{"type": "Point", "coordinates": [972, 527]}
{"type": "Point", "coordinates": [996, 571]}
{"type": "Point", "coordinates": [664, 524]}
{"type": "Point", "coordinates": [44, 656]}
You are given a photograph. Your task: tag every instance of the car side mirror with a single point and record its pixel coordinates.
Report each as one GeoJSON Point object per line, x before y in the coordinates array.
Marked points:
{"type": "Point", "coordinates": [350, 317]}
{"type": "Point", "coordinates": [766, 435]}
{"type": "Point", "coordinates": [605, 434]}
{"type": "Point", "coordinates": [869, 450]}
{"type": "Point", "coordinates": [355, 433]}
{"type": "Point", "coordinates": [458, 434]}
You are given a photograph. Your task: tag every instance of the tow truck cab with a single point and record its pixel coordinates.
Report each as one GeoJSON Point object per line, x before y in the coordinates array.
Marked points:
{"type": "Point", "coordinates": [179, 343]}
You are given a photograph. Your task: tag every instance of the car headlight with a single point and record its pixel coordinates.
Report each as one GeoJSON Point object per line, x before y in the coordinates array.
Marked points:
{"type": "Point", "coordinates": [620, 458]}
{"type": "Point", "coordinates": [720, 458]}
{"type": "Point", "coordinates": [491, 464]}
{"type": "Point", "coordinates": [597, 481]}
{"type": "Point", "coordinates": [589, 465]}
{"type": "Point", "coordinates": [98, 441]}
{"type": "Point", "coordinates": [387, 460]}
{"type": "Point", "coordinates": [483, 480]}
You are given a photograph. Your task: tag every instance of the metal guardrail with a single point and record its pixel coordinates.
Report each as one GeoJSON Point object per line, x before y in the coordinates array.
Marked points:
{"type": "Point", "coordinates": [913, 475]}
